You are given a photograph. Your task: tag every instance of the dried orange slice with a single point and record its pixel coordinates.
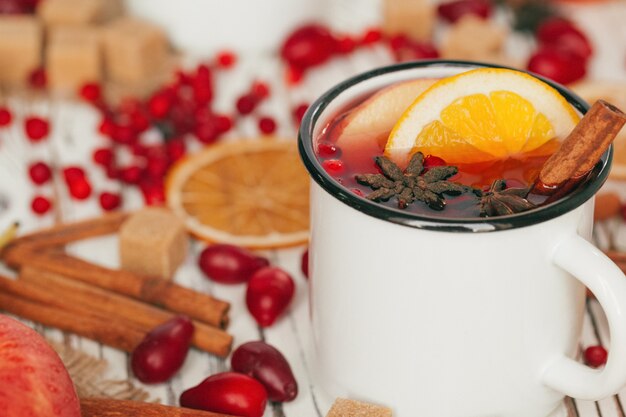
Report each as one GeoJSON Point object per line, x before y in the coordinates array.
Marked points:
{"type": "Point", "coordinates": [252, 193]}
{"type": "Point", "coordinates": [482, 115]}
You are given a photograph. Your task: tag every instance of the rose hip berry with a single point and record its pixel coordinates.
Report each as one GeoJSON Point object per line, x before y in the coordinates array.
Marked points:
{"type": "Point", "coordinates": [454, 10]}
{"type": "Point", "coordinates": [91, 92]}
{"type": "Point", "coordinates": [109, 201]}
{"type": "Point", "coordinates": [39, 173]}
{"type": "Point", "coordinates": [595, 356]}
{"type": "Point", "coordinates": [229, 264]}
{"type": "Point", "coordinates": [5, 116]}
{"type": "Point", "coordinates": [36, 128]}
{"type": "Point", "coordinates": [304, 262]}
{"type": "Point", "coordinates": [267, 365]}
{"type": "Point", "coordinates": [269, 292]}
{"type": "Point", "coordinates": [162, 352]}
{"type": "Point", "coordinates": [229, 393]}
{"type": "Point", "coordinates": [40, 205]}
{"type": "Point", "coordinates": [267, 125]}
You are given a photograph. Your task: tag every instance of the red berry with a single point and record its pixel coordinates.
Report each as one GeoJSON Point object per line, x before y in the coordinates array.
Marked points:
{"type": "Point", "coordinates": [229, 264]}
{"type": "Point", "coordinates": [91, 92]}
{"type": "Point", "coordinates": [328, 150]}
{"type": "Point", "coordinates": [80, 189]}
{"type": "Point", "coordinates": [557, 65]}
{"type": "Point", "coordinates": [153, 192]}
{"type": "Point", "coordinates": [124, 134]}
{"type": "Point", "coordinates": [103, 156]}
{"type": "Point", "coordinates": [308, 46]}
{"type": "Point", "coordinates": [223, 123]}
{"type": "Point", "coordinates": [293, 75]}
{"type": "Point", "coordinates": [107, 126]}
{"type": "Point", "coordinates": [175, 149]}
{"type": "Point", "coordinates": [246, 103]}
{"type": "Point", "coordinates": [39, 173]}
{"type": "Point", "coordinates": [345, 45]}
{"type": "Point", "coordinates": [5, 116]}
{"type": "Point", "coordinates": [454, 10]}
{"type": "Point", "coordinates": [333, 166]}
{"type": "Point", "coordinates": [304, 263]}
{"type": "Point", "coordinates": [433, 161]}
{"type": "Point", "coordinates": [267, 365]}
{"type": "Point", "coordinates": [226, 59]}
{"type": "Point", "coordinates": [40, 205]}
{"type": "Point", "coordinates": [159, 105]}
{"type": "Point", "coordinates": [228, 393]}
{"type": "Point", "coordinates": [260, 89]}
{"type": "Point", "coordinates": [299, 111]}
{"type": "Point", "coordinates": [423, 50]}
{"type": "Point", "coordinates": [72, 174]}
{"type": "Point", "coordinates": [157, 165]}
{"type": "Point", "coordinates": [131, 174]}
{"type": "Point", "coordinates": [562, 34]}
{"type": "Point", "coordinates": [398, 42]}
{"type": "Point", "coordinates": [38, 78]}
{"type": "Point", "coordinates": [372, 36]}
{"type": "Point", "coordinates": [109, 201]}
{"type": "Point", "coordinates": [36, 128]}
{"type": "Point", "coordinates": [139, 121]}
{"type": "Point", "coordinates": [162, 352]}
{"type": "Point", "coordinates": [267, 125]}
{"type": "Point", "coordinates": [269, 292]}
{"type": "Point", "coordinates": [595, 356]}
{"type": "Point", "coordinates": [207, 133]}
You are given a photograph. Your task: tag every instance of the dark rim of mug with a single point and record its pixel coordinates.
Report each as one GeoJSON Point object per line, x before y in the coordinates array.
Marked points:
{"type": "Point", "coordinates": [406, 218]}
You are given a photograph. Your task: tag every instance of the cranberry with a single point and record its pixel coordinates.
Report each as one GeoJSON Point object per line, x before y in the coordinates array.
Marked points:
{"type": "Point", "coordinates": [247, 103]}
{"type": "Point", "coordinates": [269, 292]}
{"type": "Point", "coordinates": [299, 111]}
{"type": "Point", "coordinates": [72, 174]}
{"type": "Point", "coordinates": [153, 192]}
{"type": "Point", "coordinates": [103, 156]}
{"type": "Point", "coordinates": [308, 46]}
{"type": "Point", "coordinates": [333, 166]}
{"type": "Point", "coordinates": [39, 173]}
{"type": "Point", "coordinates": [558, 65]}
{"type": "Point", "coordinates": [304, 262]}
{"type": "Point", "coordinates": [107, 126]}
{"type": "Point", "coordinates": [159, 106]}
{"type": "Point", "coordinates": [207, 133]}
{"type": "Point", "coordinates": [131, 174]}
{"type": "Point", "coordinates": [229, 393]}
{"type": "Point", "coordinates": [80, 189]}
{"type": "Point", "coordinates": [267, 125]}
{"type": "Point", "coordinates": [162, 352]}
{"type": "Point", "coordinates": [345, 45]}
{"type": "Point", "coordinates": [433, 161]}
{"type": "Point", "coordinates": [260, 89]}
{"type": "Point", "coordinates": [40, 205]}
{"type": "Point", "coordinates": [267, 365]}
{"type": "Point", "coordinates": [293, 75]}
{"type": "Point", "coordinates": [372, 36]}
{"type": "Point", "coordinates": [91, 92]}
{"type": "Point", "coordinates": [422, 50]}
{"type": "Point", "coordinates": [175, 149]}
{"type": "Point", "coordinates": [109, 201]}
{"type": "Point", "coordinates": [5, 116]}
{"type": "Point", "coordinates": [562, 34]}
{"type": "Point", "coordinates": [139, 121]}
{"type": "Point", "coordinates": [328, 150]}
{"type": "Point", "coordinates": [36, 128]}
{"type": "Point", "coordinates": [595, 356]}
{"type": "Point", "coordinates": [223, 123]}
{"type": "Point", "coordinates": [226, 59]}
{"type": "Point", "coordinates": [38, 79]}
{"type": "Point", "coordinates": [229, 264]}
{"type": "Point", "coordinates": [454, 10]}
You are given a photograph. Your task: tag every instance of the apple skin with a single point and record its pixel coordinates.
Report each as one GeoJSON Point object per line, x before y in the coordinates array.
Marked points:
{"type": "Point", "coordinates": [33, 380]}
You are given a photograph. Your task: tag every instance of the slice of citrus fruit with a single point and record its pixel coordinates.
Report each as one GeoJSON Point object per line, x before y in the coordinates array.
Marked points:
{"type": "Point", "coordinates": [482, 115]}
{"type": "Point", "coordinates": [252, 193]}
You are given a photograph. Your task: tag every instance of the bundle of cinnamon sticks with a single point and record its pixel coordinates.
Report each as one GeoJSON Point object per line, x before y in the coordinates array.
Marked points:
{"type": "Point", "coordinates": [113, 307]}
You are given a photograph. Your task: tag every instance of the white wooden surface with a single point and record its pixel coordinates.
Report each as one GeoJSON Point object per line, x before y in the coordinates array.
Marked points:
{"type": "Point", "coordinates": [74, 136]}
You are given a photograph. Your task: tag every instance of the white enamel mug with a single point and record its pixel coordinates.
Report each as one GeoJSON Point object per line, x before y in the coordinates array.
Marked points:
{"type": "Point", "coordinates": [454, 318]}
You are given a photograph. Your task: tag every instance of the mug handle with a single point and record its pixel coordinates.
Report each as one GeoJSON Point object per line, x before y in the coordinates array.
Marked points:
{"type": "Point", "coordinates": [608, 283]}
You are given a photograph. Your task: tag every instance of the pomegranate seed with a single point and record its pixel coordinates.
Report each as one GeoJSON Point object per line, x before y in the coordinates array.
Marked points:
{"type": "Point", "coordinates": [159, 105]}
{"type": "Point", "coordinates": [38, 79]}
{"type": "Point", "coordinates": [372, 36]}
{"type": "Point", "coordinates": [246, 104]}
{"type": "Point", "coordinates": [109, 201]}
{"type": "Point", "coordinates": [333, 166]}
{"type": "Point", "coordinates": [131, 174]}
{"type": "Point", "coordinates": [562, 34]}
{"type": "Point", "coordinates": [433, 161]}
{"type": "Point", "coordinates": [39, 173]}
{"type": "Point", "coordinates": [269, 292]}
{"type": "Point", "coordinates": [175, 149]}
{"type": "Point", "coordinates": [267, 125]}
{"type": "Point", "coordinates": [226, 59]}
{"type": "Point", "coordinates": [308, 46]}
{"type": "Point", "coordinates": [595, 356]}
{"type": "Point", "coordinates": [328, 150]}
{"type": "Point", "coordinates": [40, 205]}
{"type": "Point", "coordinates": [223, 123]}
{"type": "Point", "coordinates": [107, 126]}
{"type": "Point", "coordinates": [558, 65]}
{"type": "Point", "coordinates": [72, 174]}
{"type": "Point", "coordinates": [304, 263]}
{"type": "Point", "coordinates": [103, 156]}
{"type": "Point", "coordinates": [260, 89]}
{"type": "Point", "coordinates": [454, 10]}
{"type": "Point", "coordinates": [229, 264]}
{"type": "Point", "coordinates": [207, 133]}
{"type": "Point", "coordinates": [36, 128]}
{"type": "Point", "coordinates": [299, 111]}
{"type": "Point", "coordinates": [5, 116]}
{"type": "Point", "coordinates": [294, 75]}
{"type": "Point", "coordinates": [345, 45]}
{"type": "Point", "coordinates": [91, 92]}
{"type": "Point", "coordinates": [80, 189]}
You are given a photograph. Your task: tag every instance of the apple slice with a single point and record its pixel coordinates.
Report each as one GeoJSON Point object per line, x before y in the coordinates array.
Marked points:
{"type": "Point", "coordinates": [33, 380]}
{"type": "Point", "coordinates": [373, 119]}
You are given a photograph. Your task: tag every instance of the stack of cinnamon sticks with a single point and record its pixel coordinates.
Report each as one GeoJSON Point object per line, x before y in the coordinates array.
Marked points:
{"type": "Point", "coordinates": [113, 307]}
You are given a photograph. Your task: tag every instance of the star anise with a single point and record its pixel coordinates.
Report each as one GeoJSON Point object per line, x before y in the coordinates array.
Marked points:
{"type": "Point", "coordinates": [500, 201]}
{"type": "Point", "coordinates": [410, 185]}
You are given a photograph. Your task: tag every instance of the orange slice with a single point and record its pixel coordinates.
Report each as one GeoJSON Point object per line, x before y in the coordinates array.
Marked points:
{"type": "Point", "coordinates": [482, 115]}
{"type": "Point", "coordinates": [249, 193]}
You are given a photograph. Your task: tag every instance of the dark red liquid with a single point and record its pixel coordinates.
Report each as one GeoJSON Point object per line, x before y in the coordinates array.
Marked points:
{"type": "Point", "coordinates": [344, 164]}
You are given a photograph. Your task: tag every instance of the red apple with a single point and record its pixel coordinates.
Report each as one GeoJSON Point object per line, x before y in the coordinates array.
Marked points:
{"type": "Point", "coordinates": [33, 380]}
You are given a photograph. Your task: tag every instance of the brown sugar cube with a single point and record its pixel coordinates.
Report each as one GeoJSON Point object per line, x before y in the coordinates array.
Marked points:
{"type": "Point", "coordinates": [473, 38]}
{"type": "Point", "coordinates": [133, 49]}
{"type": "Point", "coordinates": [71, 12]}
{"type": "Point", "coordinates": [414, 18]}
{"type": "Point", "coordinates": [153, 242]}
{"type": "Point", "coordinates": [343, 407]}
{"type": "Point", "coordinates": [73, 57]}
{"type": "Point", "coordinates": [20, 48]}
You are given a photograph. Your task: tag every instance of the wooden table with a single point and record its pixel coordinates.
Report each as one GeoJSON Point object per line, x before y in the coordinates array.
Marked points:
{"type": "Point", "coordinates": [72, 141]}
